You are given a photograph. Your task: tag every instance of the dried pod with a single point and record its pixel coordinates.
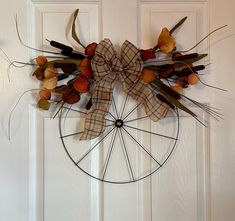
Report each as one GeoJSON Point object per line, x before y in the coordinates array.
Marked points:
{"type": "Point", "coordinates": [89, 104]}
{"type": "Point", "coordinates": [166, 73]}
{"type": "Point", "coordinates": [50, 72]}
{"type": "Point", "coordinates": [45, 94]}
{"type": "Point", "coordinates": [187, 56]}
{"type": "Point", "coordinates": [63, 89]}
{"type": "Point", "coordinates": [72, 54]}
{"type": "Point", "coordinates": [71, 97]}
{"type": "Point", "coordinates": [50, 83]}
{"type": "Point", "coordinates": [67, 68]}
{"type": "Point", "coordinates": [44, 104]}
{"type": "Point", "coordinates": [41, 60]}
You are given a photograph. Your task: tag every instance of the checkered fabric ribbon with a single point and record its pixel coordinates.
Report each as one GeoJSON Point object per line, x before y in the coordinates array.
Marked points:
{"type": "Point", "coordinates": [107, 67]}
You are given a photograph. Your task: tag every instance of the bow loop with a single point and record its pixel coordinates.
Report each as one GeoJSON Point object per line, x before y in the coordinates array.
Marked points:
{"type": "Point", "coordinates": [129, 54]}
{"type": "Point", "coordinates": [106, 55]}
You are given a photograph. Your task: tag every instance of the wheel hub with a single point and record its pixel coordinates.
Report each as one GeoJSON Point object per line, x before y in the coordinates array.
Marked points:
{"type": "Point", "coordinates": [119, 123]}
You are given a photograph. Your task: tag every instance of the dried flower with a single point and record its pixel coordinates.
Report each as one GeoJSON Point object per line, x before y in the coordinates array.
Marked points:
{"type": "Point", "coordinates": [166, 42]}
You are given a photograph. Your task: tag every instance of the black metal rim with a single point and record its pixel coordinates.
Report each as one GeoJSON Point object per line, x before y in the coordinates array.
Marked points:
{"type": "Point", "coordinates": [118, 123]}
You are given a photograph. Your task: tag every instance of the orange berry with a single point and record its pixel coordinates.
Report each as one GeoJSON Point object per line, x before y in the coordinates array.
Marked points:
{"type": "Point", "coordinates": [193, 78]}
{"type": "Point", "coordinates": [81, 84]}
{"type": "Point", "coordinates": [90, 49]}
{"type": "Point", "coordinates": [41, 60]}
{"type": "Point", "coordinates": [148, 76]}
{"type": "Point", "coordinates": [85, 68]}
{"type": "Point", "coordinates": [45, 94]}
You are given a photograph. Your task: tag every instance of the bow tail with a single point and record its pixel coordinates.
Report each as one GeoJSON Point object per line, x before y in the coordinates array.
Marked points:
{"type": "Point", "coordinates": [95, 122]}
{"type": "Point", "coordinates": [144, 94]}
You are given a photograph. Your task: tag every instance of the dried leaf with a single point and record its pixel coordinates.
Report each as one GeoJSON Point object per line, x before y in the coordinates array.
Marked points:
{"type": "Point", "coordinates": [170, 97]}
{"type": "Point", "coordinates": [184, 63]}
{"type": "Point", "coordinates": [51, 63]}
{"type": "Point", "coordinates": [74, 34]}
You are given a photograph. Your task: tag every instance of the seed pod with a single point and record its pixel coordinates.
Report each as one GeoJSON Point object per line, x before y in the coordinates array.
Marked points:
{"type": "Point", "coordinates": [61, 46]}
{"type": "Point", "coordinates": [89, 104]}
{"type": "Point", "coordinates": [187, 56]}
{"type": "Point", "coordinates": [72, 54]}
{"type": "Point", "coordinates": [67, 68]}
{"type": "Point", "coordinates": [188, 71]}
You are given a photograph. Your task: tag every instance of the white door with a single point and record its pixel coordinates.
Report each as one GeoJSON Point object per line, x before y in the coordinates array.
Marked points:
{"type": "Point", "coordinates": [38, 182]}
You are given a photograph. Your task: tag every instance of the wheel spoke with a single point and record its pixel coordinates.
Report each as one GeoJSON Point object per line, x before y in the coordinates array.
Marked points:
{"type": "Point", "coordinates": [111, 115]}
{"type": "Point", "coordinates": [123, 107]}
{"type": "Point", "coordinates": [157, 134]}
{"type": "Point", "coordinates": [115, 107]}
{"type": "Point", "coordinates": [73, 134]}
{"type": "Point", "coordinates": [142, 147]}
{"type": "Point", "coordinates": [110, 150]}
{"type": "Point", "coordinates": [139, 118]}
{"type": "Point", "coordinates": [110, 120]}
{"type": "Point", "coordinates": [126, 154]}
{"type": "Point", "coordinates": [131, 111]}
{"type": "Point", "coordinates": [92, 148]}
{"type": "Point", "coordinates": [77, 133]}
{"type": "Point", "coordinates": [81, 112]}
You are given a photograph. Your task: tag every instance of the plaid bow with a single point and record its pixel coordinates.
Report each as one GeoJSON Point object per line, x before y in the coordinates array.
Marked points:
{"type": "Point", "coordinates": [108, 67]}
